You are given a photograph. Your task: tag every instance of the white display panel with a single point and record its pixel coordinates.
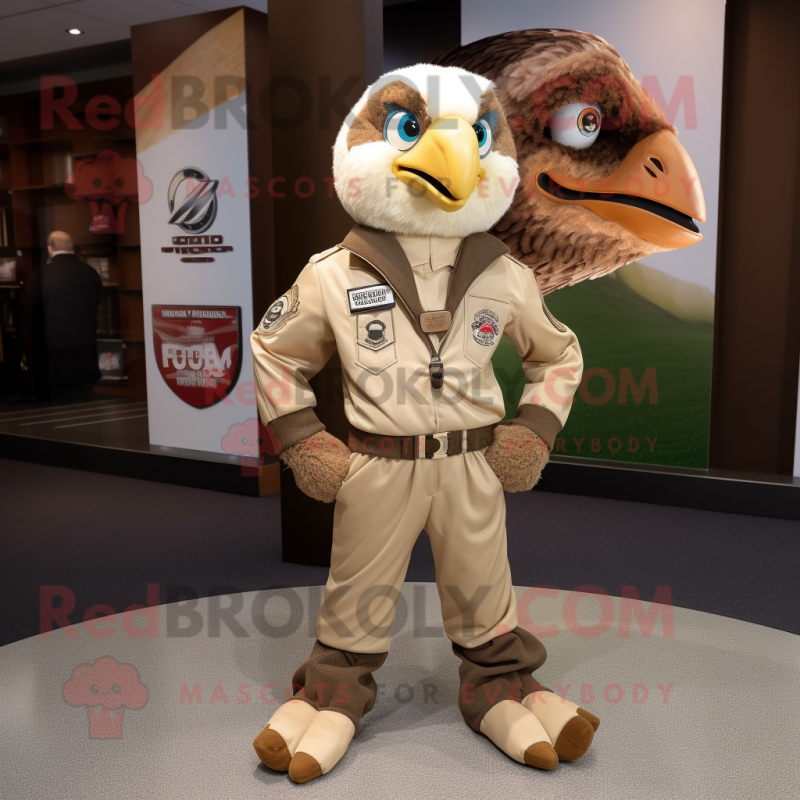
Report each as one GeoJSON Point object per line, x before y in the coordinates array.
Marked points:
{"type": "Point", "coordinates": [221, 154]}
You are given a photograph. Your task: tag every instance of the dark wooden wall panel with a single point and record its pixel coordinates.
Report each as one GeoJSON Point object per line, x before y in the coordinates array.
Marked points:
{"type": "Point", "coordinates": [316, 46]}
{"type": "Point", "coordinates": [757, 330]}
{"type": "Point", "coordinates": [318, 49]}
{"type": "Point", "coordinates": [259, 157]}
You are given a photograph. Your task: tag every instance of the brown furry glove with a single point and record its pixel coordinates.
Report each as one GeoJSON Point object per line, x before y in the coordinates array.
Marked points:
{"type": "Point", "coordinates": [319, 464]}
{"type": "Point", "coordinates": [517, 456]}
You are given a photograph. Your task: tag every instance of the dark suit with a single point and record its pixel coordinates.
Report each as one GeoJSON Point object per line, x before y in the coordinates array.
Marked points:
{"type": "Point", "coordinates": [71, 292]}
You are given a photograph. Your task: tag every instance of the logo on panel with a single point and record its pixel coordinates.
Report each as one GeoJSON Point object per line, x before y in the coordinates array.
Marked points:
{"type": "Point", "coordinates": [193, 204]}
{"type": "Point", "coordinates": [198, 351]}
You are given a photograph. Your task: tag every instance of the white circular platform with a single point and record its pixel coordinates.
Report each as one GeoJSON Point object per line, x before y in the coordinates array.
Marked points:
{"type": "Point", "coordinates": [729, 727]}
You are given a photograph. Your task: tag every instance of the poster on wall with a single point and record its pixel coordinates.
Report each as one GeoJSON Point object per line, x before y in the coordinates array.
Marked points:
{"type": "Point", "coordinates": [198, 351]}
{"type": "Point", "coordinates": [195, 241]}
{"type": "Point", "coordinates": [646, 329]}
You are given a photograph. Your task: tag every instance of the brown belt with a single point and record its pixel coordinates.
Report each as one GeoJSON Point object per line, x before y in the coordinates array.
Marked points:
{"type": "Point", "coordinates": [431, 445]}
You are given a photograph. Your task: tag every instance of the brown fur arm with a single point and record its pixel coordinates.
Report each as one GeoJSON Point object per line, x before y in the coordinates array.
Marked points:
{"type": "Point", "coordinates": [319, 464]}
{"type": "Point", "coordinates": [517, 456]}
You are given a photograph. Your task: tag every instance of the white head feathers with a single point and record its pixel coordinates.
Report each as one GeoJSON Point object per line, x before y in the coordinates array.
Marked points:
{"type": "Point", "coordinates": [363, 159]}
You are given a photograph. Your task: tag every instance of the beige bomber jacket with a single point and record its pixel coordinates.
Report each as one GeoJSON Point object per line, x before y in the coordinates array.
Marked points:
{"type": "Point", "coordinates": [385, 355]}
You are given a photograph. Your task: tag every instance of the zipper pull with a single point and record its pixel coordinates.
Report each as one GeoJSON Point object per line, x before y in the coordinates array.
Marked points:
{"type": "Point", "coordinates": [436, 370]}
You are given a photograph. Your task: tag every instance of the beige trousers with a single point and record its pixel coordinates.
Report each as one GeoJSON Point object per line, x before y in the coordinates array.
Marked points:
{"type": "Point", "coordinates": [381, 509]}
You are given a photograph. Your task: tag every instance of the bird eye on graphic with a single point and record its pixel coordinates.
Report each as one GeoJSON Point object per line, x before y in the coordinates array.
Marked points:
{"type": "Point", "coordinates": [588, 122]}
{"type": "Point", "coordinates": [119, 183]}
{"type": "Point", "coordinates": [94, 688]}
{"type": "Point", "coordinates": [483, 130]}
{"type": "Point", "coordinates": [575, 125]}
{"type": "Point", "coordinates": [401, 130]}
{"type": "Point", "coordinates": [98, 182]}
{"type": "Point", "coordinates": [116, 688]}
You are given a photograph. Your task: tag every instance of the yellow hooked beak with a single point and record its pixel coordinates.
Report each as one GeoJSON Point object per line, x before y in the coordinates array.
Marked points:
{"type": "Point", "coordinates": [444, 165]}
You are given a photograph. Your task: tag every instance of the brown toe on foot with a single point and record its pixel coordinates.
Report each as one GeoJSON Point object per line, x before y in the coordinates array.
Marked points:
{"type": "Point", "coordinates": [574, 739]}
{"type": "Point", "coordinates": [541, 755]}
{"type": "Point", "coordinates": [589, 717]}
{"type": "Point", "coordinates": [304, 768]}
{"type": "Point", "coordinates": [272, 750]}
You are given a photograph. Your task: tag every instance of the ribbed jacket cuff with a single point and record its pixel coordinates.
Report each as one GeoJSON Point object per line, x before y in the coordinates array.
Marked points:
{"type": "Point", "coordinates": [543, 422]}
{"type": "Point", "coordinates": [291, 429]}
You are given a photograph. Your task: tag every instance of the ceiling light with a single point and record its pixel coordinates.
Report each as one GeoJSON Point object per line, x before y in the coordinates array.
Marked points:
{"type": "Point", "coordinates": [74, 31]}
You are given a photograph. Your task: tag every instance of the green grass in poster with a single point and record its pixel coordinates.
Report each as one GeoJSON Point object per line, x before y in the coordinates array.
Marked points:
{"type": "Point", "coordinates": [620, 331]}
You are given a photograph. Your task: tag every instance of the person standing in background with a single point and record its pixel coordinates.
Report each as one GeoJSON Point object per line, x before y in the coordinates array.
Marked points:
{"type": "Point", "coordinates": [70, 293]}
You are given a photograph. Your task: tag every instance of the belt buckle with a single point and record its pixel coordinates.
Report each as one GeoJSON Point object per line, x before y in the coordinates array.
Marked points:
{"type": "Point", "coordinates": [443, 445]}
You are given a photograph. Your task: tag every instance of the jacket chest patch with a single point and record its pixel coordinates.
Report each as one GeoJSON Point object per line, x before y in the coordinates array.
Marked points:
{"type": "Point", "coordinates": [485, 327]}
{"type": "Point", "coordinates": [375, 334]}
{"type": "Point", "coordinates": [377, 297]}
{"type": "Point", "coordinates": [375, 340]}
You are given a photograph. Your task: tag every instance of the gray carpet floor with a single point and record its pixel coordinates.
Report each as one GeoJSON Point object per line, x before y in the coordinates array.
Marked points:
{"type": "Point", "coordinates": [727, 727]}
{"type": "Point", "coordinates": [106, 538]}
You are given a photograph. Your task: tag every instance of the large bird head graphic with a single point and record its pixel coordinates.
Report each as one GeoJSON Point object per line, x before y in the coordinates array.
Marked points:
{"type": "Point", "coordinates": [426, 150]}
{"type": "Point", "coordinates": [603, 178]}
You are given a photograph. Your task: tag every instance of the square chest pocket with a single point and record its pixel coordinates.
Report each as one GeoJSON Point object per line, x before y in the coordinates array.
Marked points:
{"type": "Point", "coordinates": [484, 320]}
{"type": "Point", "coordinates": [376, 348]}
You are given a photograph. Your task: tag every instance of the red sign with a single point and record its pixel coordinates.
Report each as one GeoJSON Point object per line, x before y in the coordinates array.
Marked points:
{"type": "Point", "coordinates": [198, 351]}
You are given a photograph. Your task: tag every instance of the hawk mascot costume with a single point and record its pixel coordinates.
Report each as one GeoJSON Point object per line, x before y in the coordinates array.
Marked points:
{"type": "Point", "coordinates": [415, 300]}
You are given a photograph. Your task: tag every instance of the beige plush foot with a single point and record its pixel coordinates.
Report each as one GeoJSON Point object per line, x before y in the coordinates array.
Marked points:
{"type": "Point", "coordinates": [519, 735]}
{"type": "Point", "coordinates": [321, 747]}
{"type": "Point", "coordinates": [276, 744]}
{"type": "Point", "coordinates": [569, 731]}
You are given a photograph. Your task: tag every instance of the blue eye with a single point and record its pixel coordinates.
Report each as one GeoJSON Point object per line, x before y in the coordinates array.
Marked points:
{"type": "Point", "coordinates": [483, 130]}
{"type": "Point", "coordinates": [402, 129]}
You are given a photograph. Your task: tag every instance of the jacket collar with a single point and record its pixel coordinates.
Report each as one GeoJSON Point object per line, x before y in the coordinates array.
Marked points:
{"type": "Point", "coordinates": [384, 252]}
{"type": "Point", "coordinates": [430, 253]}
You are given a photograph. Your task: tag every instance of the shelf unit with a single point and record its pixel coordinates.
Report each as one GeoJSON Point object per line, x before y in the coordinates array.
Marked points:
{"type": "Point", "coordinates": [35, 164]}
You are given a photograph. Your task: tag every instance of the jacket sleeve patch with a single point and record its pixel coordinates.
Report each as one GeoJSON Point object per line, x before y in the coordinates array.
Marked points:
{"type": "Point", "coordinates": [282, 310]}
